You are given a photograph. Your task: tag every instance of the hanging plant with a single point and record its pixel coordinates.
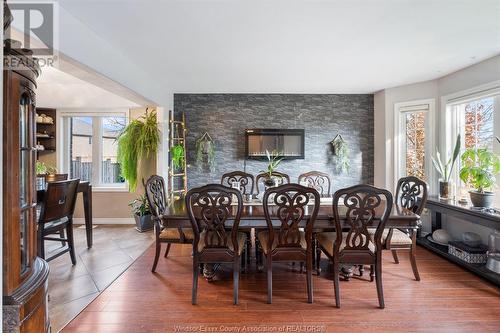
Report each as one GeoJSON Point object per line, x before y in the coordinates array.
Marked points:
{"type": "Point", "coordinates": [205, 153]}
{"type": "Point", "coordinates": [340, 151]}
{"type": "Point", "coordinates": [177, 155]}
{"type": "Point", "coordinates": [138, 140]}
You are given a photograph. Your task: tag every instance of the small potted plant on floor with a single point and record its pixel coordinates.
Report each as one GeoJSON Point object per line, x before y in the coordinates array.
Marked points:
{"type": "Point", "coordinates": [479, 169]}
{"type": "Point", "coordinates": [142, 214]}
{"type": "Point", "coordinates": [273, 161]}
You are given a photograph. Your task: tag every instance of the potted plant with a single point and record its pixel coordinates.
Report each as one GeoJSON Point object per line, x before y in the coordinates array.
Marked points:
{"type": "Point", "coordinates": [177, 153]}
{"type": "Point", "coordinates": [273, 161]}
{"type": "Point", "coordinates": [479, 169]}
{"type": "Point", "coordinates": [142, 214]}
{"type": "Point", "coordinates": [138, 140]}
{"type": "Point", "coordinates": [445, 170]}
{"type": "Point", "coordinates": [340, 151]}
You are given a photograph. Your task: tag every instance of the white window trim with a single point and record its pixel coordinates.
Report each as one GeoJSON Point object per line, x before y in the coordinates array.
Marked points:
{"type": "Point", "coordinates": [448, 118]}
{"type": "Point", "coordinates": [62, 157]}
{"type": "Point", "coordinates": [429, 145]}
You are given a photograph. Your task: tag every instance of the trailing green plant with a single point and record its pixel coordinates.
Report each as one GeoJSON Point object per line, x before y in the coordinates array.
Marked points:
{"type": "Point", "coordinates": [42, 168]}
{"type": "Point", "coordinates": [445, 169]}
{"type": "Point", "coordinates": [341, 154]}
{"type": "Point", "coordinates": [274, 160]}
{"type": "Point", "coordinates": [140, 206]}
{"type": "Point", "coordinates": [138, 140]}
{"type": "Point", "coordinates": [479, 168]}
{"type": "Point", "coordinates": [177, 156]}
{"type": "Point", "coordinates": [205, 153]}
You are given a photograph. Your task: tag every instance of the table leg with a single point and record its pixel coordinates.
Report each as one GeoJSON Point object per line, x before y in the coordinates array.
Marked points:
{"type": "Point", "coordinates": [210, 270]}
{"type": "Point", "coordinates": [87, 208]}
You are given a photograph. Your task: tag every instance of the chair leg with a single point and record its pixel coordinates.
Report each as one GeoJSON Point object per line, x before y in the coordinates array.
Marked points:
{"type": "Point", "coordinates": [167, 250]}
{"type": "Point", "coordinates": [249, 247]}
{"type": "Point", "coordinates": [395, 256]}
{"type": "Point", "coordinates": [378, 278]}
{"type": "Point", "coordinates": [71, 242]}
{"type": "Point", "coordinates": [196, 270]}
{"type": "Point", "coordinates": [309, 268]}
{"type": "Point", "coordinates": [361, 270]}
{"type": "Point", "coordinates": [269, 279]}
{"type": "Point", "coordinates": [236, 278]}
{"type": "Point", "coordinates": [318, 260]}
{"type": "Point", "coordinates": [413, 261]}
{"type": "Point", "coordinates": [336, 282]}
{"type": "Point", "coordinates": [372, 273]}
{"type": "Point", "coordinates": [157, 255]}
{"type": "Point", "coordinates": [61, 235]}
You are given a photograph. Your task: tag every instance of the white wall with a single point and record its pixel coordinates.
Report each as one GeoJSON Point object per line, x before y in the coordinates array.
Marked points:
{"type": "Point", "coordinates": [485, 72]}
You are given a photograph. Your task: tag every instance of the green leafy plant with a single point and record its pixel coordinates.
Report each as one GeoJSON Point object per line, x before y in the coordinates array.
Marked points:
{"type": "Point", "coordinates": [479, 168]}
{"type": "Point", "coordinates": [177, 155]}
{"type": "Point", "coordinates": [138, 140]}
{"type": "Point", "coordinates": [446, 169]}
{"type": "Point", "coordinates": [205, 153]}
{"type": "Point", "coordinates": [340, 151]}
{"type": "Point", "coordinates": [42, 168]}
{"type": "Point", "coordinates": [140, 206]}
{"type": "Point", "coordinates": [274, 160]}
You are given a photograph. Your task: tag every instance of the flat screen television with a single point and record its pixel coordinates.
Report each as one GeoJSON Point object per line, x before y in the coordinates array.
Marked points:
{"type": "Point", "coordinates": [289, 143]}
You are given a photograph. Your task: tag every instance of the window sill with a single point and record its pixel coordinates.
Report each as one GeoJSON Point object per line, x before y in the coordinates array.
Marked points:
{"type": "Point", "coordinates": [109, 189]}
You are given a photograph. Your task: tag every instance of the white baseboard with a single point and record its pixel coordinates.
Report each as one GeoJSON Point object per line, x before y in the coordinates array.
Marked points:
{"type": "Point", "coordinates": [106, 220]}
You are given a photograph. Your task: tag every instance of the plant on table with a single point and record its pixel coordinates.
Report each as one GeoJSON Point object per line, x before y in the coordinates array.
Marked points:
{"type": "Point", "coordinates": [445, 169]}
{"type": "Point", "coordinates": [479, 169]}
{"type": "Point", "coordinates": [274, 160]}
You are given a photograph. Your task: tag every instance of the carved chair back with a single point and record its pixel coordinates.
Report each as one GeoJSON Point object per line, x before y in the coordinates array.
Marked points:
{"type": "Point", "coordinates": [156, 195]}
{"type": "Point", "coordinates": [317, 180]}
{"type": "Point", "coordinates": [261, 178]}
{"type": "Point", "coordinates": [245, 180]}
{"type": "Point", "coordinates": [59, 200]}
{"type": "Point", "coordinates": [366, 206]}
{"type": "Point", "coordinates": [290, 204]}
{"type": "Point", "coordinates": [56, 177]}
{"type": "Point", "coordinates": [411, 193]}
{"type": "Point", "coordinates": [209, 208]}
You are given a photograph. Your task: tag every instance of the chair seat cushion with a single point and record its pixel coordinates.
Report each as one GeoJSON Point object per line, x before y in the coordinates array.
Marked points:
{"type": "Point", "coordinates": [242, 238]}
{"type": "Point", "coordinates": [173, 233]}
{"type": "Point", "coordinates": [56, 223]}
{"type": "Point", "coordinates": [327, 239]}
{"type": "Point", "coordinates": [398, 237]}
{"type": "Point", "coordinates": [263, 237]}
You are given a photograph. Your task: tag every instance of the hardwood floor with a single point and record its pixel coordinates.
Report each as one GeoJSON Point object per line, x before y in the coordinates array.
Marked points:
{"type": "Point", "coordinates": [448, 299]}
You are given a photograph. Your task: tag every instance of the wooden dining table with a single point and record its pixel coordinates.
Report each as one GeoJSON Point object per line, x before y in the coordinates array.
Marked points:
{"type": "Point", "coordinates": [85, 188]}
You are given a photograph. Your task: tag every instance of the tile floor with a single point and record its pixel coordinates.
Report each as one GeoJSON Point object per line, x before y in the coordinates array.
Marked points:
{"type": "Point", "coordinates": [72, 288]}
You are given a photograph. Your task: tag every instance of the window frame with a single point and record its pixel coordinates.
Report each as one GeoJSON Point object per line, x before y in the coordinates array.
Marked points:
{"type": "Point", "coordinates": [400, 135]}
{"type": "Point", "coordinates": [63, 158]}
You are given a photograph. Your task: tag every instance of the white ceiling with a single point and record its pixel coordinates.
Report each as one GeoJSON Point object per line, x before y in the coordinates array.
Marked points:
{"type": "Point", "coordinates": [291, 46]}
{"type": "Point", "coordinates": [56, 89]}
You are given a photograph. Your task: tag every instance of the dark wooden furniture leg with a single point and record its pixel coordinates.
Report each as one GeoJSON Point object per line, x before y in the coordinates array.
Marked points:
{"type": "Point", "coordinates": [87, 207]}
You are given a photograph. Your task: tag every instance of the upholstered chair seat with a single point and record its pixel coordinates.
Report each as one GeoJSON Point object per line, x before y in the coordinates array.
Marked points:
{"type": "Point", "coordinates": [327, 239]}
{"type": "Point", "coordinates": [242, 238]}
{"type": "Point", "coordinates": [173, 233]}
{"type": "Point", "coordinates": [398, 237]}
{"type": "Point", "coordinates": [263, 237]}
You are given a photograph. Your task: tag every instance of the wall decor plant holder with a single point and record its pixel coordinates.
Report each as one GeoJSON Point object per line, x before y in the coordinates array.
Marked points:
{"type": "Point", "coordinates": [205, 153]}
{"type": "Point", "coordinates": [340, 151]}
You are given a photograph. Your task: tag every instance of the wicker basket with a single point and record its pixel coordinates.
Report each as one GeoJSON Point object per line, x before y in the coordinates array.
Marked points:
{"type": "Point", "coordinates": [471, 255]}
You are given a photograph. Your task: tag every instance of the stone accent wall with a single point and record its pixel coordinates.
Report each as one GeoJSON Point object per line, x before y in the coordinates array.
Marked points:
{"type": "Point", "coordinates": [226, 116]}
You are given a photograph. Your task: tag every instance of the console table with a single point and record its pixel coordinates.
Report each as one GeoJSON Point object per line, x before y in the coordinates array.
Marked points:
{"type": "Point", "coordinates": [465, 212]}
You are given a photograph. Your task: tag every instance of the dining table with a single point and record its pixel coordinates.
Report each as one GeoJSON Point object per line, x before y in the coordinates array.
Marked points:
{"type": "Point", "coordinates": [85, 188]}
{"type": "Point", "coordinates": [252, 217]}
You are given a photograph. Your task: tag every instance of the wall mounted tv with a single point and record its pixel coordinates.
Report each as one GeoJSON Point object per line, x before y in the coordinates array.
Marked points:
{"type": "Point", "coordinates": [289, 143]}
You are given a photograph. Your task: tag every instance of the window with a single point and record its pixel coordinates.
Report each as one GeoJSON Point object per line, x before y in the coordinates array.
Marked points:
{"type": "Point", "coordinates": [91, 149]}
{"type": "Point", "coordinates": [412, 139]}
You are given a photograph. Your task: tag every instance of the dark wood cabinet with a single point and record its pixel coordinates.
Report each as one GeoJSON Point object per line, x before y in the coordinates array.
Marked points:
{"type": "Point", "coordinates": [25, 275]}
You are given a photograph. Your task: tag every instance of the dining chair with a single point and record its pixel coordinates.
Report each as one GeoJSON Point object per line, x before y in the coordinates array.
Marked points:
{"type": "Point", "coordinates": [56, 214]}
{"type": "Point", "coordinates": [246, 185]}
{"type": "Point", "coordinates": [261, 177]}
{"type": "Point", "coordinates": [317, 180]}
{"type": "Point", "coordinates": [246, 181]}
{"type": "Point", "coordinates": [157, 200]}
{"type": "Point", "coordinates": [209, 208]}
{"type": "Point", "coordinates": [291, 204]}
{"type": "Point", "coordinates": [363, 206]}
{"type": "Point", "coordinates": [411, 194]}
